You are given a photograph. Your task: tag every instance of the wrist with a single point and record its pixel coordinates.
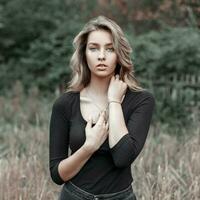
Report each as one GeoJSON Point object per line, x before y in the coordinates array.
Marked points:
{"type": "Point", "coordinates": [114, 101]}
{"type": "Point", "coordinates": [88, 148]}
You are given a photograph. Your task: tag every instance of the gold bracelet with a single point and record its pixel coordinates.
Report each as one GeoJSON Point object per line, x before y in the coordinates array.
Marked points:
{"type": "Point", "coordinates": [114, 101]}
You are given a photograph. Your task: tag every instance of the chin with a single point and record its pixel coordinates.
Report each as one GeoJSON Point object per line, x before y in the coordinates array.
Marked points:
{"type": "Point", "coordinates": [102, 75]}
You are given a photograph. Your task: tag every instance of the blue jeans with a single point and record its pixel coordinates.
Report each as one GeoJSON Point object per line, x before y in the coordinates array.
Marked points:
{"type": "Point", "coordinates": [73, 192]}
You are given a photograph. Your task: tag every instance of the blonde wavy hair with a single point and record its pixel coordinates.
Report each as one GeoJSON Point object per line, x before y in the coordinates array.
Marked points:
{"type": "Point", "coordinates": [80, 76]}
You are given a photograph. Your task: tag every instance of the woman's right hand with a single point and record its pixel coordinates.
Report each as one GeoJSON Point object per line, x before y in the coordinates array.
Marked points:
{"type": "Point", "coordinates": [96, 135]}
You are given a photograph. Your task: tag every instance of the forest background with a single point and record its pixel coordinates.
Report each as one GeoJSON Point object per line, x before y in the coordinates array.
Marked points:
{"type": "Point", "coordinates": [35, 49]}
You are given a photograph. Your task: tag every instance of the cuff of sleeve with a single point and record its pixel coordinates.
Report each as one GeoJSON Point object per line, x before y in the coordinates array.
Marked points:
{"type": "Point", "coordinates": [119, 143]}
{"type": "Point", "coordinates": [56, 176]}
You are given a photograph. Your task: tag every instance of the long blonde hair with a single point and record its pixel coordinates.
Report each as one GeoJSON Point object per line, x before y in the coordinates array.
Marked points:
{"type": "Point", "coordinates": [80, 71]}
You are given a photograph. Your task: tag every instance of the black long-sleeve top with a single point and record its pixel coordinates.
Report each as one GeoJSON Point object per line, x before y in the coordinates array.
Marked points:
{"type": "Point", "coordinates": [108, 170]}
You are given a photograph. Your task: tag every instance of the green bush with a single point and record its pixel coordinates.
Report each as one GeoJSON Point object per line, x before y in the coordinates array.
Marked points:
{"type": "Point", "coordinates": [36, 40]}
{"type": "Point", "coordinates": [174, 50]}
{"type": "Point", "coordinates": [158, 55]}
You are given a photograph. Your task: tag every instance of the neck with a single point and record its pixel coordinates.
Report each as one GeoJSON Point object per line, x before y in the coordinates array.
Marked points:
{"type": "Point", "coordinates": [99, 86]}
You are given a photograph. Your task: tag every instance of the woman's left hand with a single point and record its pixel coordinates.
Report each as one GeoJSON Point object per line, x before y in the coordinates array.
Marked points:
{"type": "Point", "coordinates": [117, 88]}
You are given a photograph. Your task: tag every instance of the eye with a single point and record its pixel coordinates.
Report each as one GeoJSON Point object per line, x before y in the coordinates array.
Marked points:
{"type": "Point", "coordinates": [110, 49]}
{"type": "Point", "coordinates": [92, 48]}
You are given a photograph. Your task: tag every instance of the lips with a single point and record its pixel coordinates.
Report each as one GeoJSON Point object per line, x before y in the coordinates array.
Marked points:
{"type": "Point", "coordinates": [101, 65]}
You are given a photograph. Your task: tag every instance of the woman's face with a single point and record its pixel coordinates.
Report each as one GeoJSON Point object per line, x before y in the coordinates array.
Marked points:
{"type": "Point", "coordinates": [100, 54]}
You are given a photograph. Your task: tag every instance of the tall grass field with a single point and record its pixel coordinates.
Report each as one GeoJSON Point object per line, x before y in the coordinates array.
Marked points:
{"type": "Point", "coordinates": [168, 168]}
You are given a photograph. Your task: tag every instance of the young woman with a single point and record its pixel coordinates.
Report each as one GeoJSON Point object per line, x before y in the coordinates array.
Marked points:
{"type": "Point", "coordinates": [103, 117]}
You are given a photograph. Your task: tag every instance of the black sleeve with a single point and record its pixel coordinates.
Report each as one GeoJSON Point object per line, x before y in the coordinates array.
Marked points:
{"type": "Point", "coordinates": [131, 144]}
{"type": "Point", "coordinates": [58, 139]}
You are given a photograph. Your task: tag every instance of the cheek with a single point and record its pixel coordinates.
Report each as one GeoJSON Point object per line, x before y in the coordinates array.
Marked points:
{"type": "Point", "coordinates": [114, 59]}
{"type": "Point", "coordinates": [89, 57]}
{"type": "Point", "coordinates": [90, 60]}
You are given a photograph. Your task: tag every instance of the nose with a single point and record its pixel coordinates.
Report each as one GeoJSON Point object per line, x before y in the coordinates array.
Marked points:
{"type": "Point", "coordinates": [101, 55]}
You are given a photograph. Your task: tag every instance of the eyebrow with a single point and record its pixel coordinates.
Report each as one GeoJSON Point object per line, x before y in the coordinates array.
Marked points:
{"type": "Point", "coordinates": [93, 43]}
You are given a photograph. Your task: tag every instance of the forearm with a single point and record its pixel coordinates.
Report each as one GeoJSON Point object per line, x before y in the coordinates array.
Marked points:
{"type": "Point", "coordinates": [70, 166]}
{"type": "Point", "coordinates": [117, 126]}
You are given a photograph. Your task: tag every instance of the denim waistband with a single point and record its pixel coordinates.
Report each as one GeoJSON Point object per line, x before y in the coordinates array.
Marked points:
{"type": "Point", "coordinates": [81, 193]}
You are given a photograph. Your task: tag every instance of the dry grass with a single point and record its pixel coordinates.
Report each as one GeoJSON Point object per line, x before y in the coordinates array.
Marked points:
{"type": "Point", "coordinates": [168, 168]}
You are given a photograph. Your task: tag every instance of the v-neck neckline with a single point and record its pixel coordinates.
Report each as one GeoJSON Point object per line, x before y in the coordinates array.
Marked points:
{"type": "Point", "coordinates": [79, 105]}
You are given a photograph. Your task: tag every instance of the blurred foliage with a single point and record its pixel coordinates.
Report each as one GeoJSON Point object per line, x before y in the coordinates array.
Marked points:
{"type": "Point", "coordinates": [36, 43]}
{"type": "Point", "coordinates": [157, 56]}
{"type": "Point", "coordinates": [36, 40]}
{"type": "Point", "coordinates": [172, 50]}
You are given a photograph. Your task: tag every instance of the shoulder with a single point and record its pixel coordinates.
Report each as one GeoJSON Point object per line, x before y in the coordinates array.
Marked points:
{"type": "Point", "coordinates": [141, 97]}
{"type": "Point", "coordinates": [63, 104]}
{"type": "Point", "coordinates": [65, 99]}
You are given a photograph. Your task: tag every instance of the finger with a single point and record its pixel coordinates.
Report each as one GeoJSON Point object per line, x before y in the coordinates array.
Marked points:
{"type": "Point", "coordinates": [117, 76]}
{"type": "Point", "coordinates": [107, 125]}
{"type": "Point", "coordinates": [105, 137]}
{"type": "Point", "coordinates": [112, 78]}
{"type": "Point", "coordinates": [104, 124]}
{"type": "Point", "coordinates": [89, 123]}
{"type": "Point", "coordinates": [101, 118]}
{"type": "Point", "coordinates": [125, 84]}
